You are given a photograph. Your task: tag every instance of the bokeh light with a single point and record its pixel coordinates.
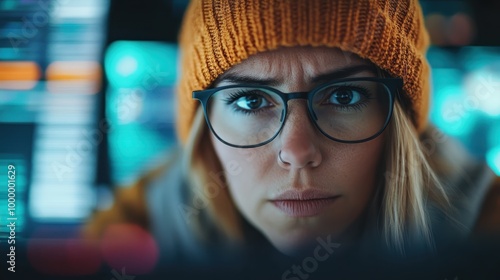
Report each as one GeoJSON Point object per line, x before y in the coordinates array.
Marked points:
{"type": "Point", "coordinates": [134, 64]}
{"type": "Point", "coordinates": [493, 158]}
{"type": "Point", "coordinates": [131, 247]}
{"type": "Point", "coordinates": [64, 256]}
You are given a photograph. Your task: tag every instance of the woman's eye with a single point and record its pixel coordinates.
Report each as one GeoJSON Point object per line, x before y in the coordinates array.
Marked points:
{"type": "Point", "coordinates": [345, 96]}
{"type": "Point", "coordinates": [251, 102]}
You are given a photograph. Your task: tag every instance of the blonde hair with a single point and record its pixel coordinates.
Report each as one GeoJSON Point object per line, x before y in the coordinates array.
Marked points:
{"type": "Point", "coordinates": [200, 161]}
{"type": "Point", "coordinates": [409, 184]}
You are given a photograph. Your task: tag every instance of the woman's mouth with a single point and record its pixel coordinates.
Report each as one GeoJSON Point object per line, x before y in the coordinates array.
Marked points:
{"type": "Point", "coordinates": [304, 203]}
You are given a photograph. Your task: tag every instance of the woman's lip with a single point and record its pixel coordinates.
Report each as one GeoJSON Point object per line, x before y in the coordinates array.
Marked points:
{"type": "Point", "coordinates": [303, 203]}
{"type": "Point", "coordinates": [303, 195]}
{"type": "Point", "coordinates": [303, 208]}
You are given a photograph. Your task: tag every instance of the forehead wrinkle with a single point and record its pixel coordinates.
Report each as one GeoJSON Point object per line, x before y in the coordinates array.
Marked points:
{"type": "Point", "coordinates": [263, 66]}
{"type": "Point", "coordinates": [307, 63]}
{"type": "Point", "coordinates": [282, 65]}
{"type": "Point", "coordinates": [326, 60]}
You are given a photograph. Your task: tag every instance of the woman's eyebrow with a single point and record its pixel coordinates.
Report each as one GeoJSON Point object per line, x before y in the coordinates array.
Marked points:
{"type": "Point", "coordinates": [343, 73]}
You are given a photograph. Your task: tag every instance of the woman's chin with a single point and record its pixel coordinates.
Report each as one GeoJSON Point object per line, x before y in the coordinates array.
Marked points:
{"type": "Point", "coordinates": [299, 244]}
{"type": "Point", "coordinates": [294, 250]}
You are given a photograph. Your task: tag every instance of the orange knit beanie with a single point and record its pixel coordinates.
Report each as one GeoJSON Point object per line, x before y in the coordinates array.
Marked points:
{"type": "Point", "coordinates": [217, 34]}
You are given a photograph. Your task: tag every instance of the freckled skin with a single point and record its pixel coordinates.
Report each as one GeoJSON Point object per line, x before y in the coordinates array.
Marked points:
{"type": "Point", "coordinates": [348, 170]}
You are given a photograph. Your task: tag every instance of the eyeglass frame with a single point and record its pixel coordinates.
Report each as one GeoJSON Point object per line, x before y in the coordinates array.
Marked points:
{"type": "Point", "coordinates": [394, 85]}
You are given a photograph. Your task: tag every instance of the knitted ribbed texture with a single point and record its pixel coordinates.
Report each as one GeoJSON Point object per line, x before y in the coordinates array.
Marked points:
{"type": "Point", "coordinates": [217, 34]}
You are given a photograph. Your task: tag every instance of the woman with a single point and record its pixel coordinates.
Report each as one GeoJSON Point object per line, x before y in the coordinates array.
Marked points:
{"type": "Point", "coordinates": [310, 126]}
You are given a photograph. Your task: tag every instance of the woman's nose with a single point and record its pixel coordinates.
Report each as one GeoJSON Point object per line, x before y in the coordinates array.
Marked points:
{"type": "Point", "coordinates": [299, 139]}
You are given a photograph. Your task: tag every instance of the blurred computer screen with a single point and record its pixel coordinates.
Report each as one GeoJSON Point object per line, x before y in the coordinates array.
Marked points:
{"type": "Point", "coordinates": [50, 80]}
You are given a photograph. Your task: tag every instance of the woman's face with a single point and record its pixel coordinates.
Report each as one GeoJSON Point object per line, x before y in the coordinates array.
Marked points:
{"type": "Point", "coordinates": [323, 187]}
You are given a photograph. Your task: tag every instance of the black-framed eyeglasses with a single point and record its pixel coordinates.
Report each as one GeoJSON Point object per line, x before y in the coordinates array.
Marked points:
{"type": "Point", "coordinates": [350, 110]}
